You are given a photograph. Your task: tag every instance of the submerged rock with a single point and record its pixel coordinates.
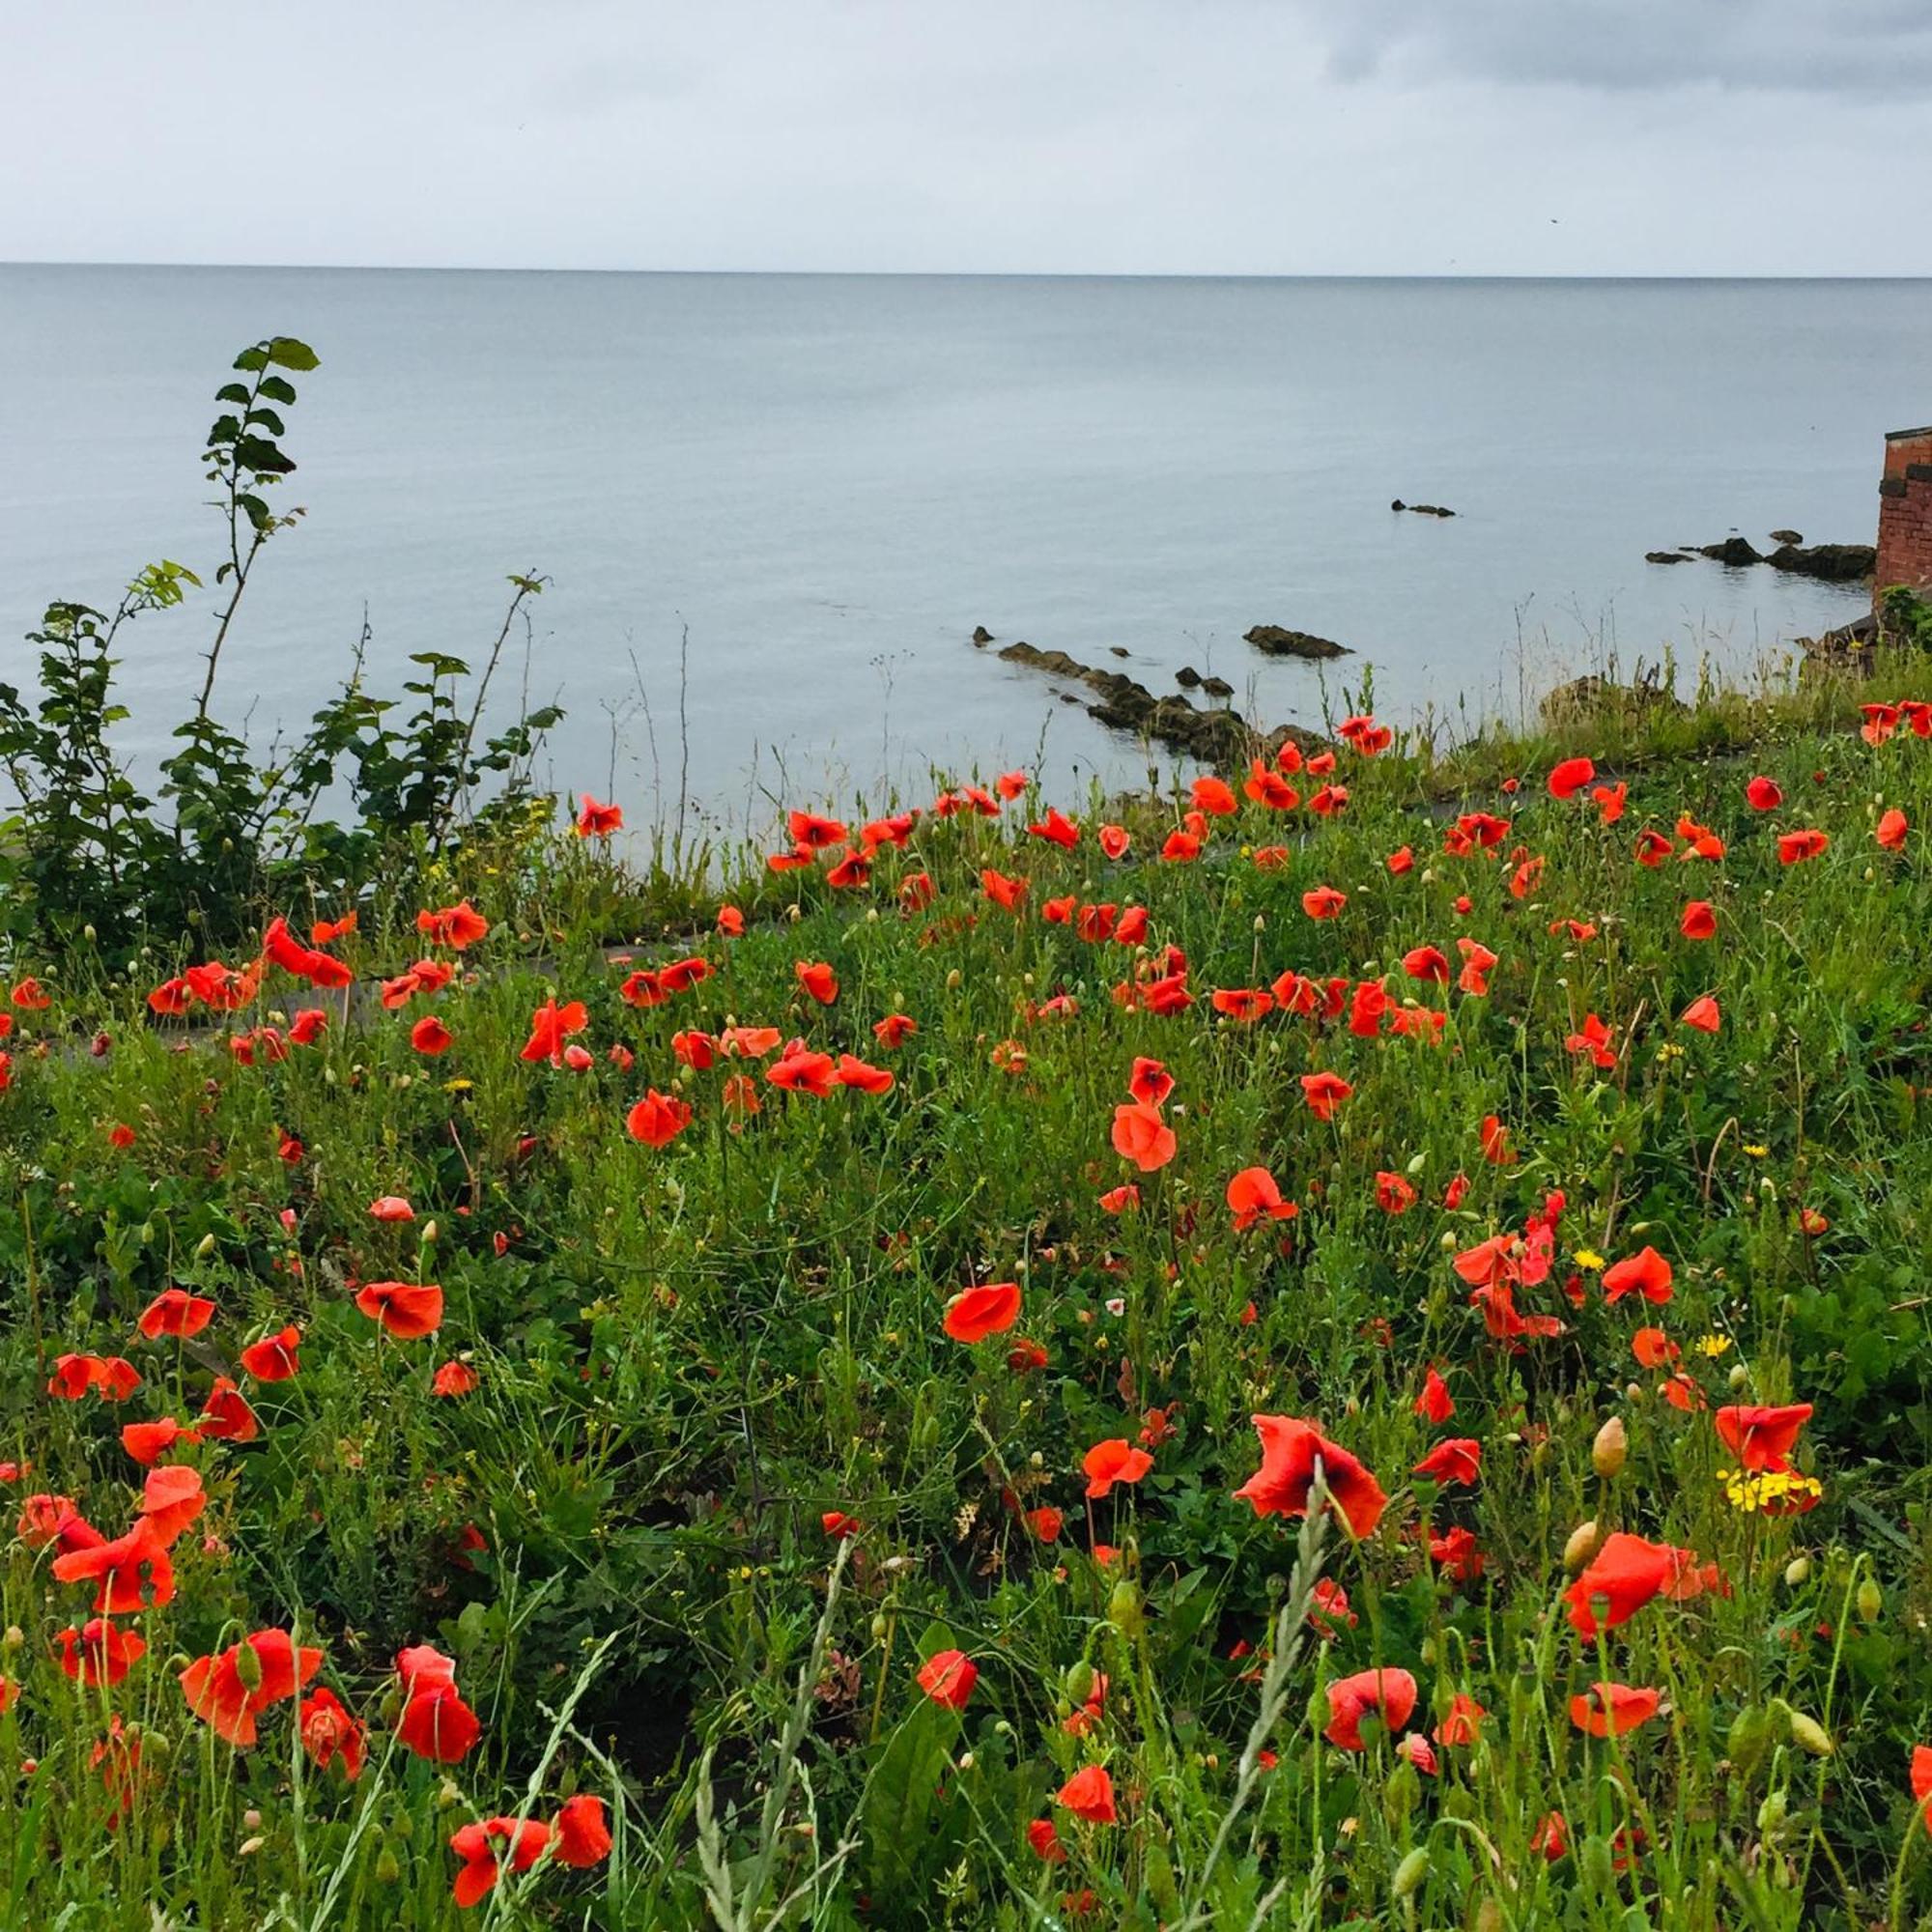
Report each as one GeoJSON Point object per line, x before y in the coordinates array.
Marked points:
{"type": "Point", "coordinates": [1835, 563]}
{"type": "Point", "coordinates": [981, 637]}
{"type": "Point", "coordinates": [1786, 537]}
{"type": "Point", "coordinates": [1214, 737]}
{"type": "Point", "coordinates": [1421, 509]}
{"type": "Point", "coordinates": [1217, 687]}
{"type": "Point", "coordinates": [1664, 556]}
{"type": "Point", "coordinates": [1736, 552]}
{"type": "Point", "coordinates": [1280, 642]}
{"type": "Point", "coordinates": [1187, 677]}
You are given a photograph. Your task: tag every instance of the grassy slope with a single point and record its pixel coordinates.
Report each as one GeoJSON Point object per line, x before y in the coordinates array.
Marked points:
{"type": "Point", "coordinates": [686, 1356]}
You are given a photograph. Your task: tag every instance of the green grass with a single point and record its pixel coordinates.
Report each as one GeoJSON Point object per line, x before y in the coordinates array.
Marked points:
{"type": "Point", "coordinates": [684, 1358]}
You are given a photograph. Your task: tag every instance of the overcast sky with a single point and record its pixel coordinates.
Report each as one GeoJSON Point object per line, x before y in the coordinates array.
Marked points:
{"type": "Point", "coordinates": [1160, 136]}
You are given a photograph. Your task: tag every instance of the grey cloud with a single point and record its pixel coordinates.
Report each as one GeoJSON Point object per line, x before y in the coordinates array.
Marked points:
{"type": "Point", "coordinates": [1841, 46]}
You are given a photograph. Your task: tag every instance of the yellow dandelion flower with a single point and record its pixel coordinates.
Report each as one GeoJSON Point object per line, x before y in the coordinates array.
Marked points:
{"type": "Point", "coordinates": [1757, 1153]}
{"type": "Point", "coordinates": [1588, 1257]}
{"type": "Point", "coordinates": [1713, 1345]}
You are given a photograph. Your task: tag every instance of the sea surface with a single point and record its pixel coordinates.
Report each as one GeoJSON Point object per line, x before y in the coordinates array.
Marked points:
{"type": "Point", "coordinates": [773, 509]}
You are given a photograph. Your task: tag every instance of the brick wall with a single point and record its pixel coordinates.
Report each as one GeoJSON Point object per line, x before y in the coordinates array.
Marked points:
{"type": "Point", "coordinates": [1905, 513]}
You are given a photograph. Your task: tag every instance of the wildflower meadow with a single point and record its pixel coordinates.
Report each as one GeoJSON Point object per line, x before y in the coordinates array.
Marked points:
{"type": "Point", "coordinates": [1343, 1341]}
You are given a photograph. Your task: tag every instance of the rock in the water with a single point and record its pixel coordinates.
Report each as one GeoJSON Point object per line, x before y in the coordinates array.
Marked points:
{"type": "Point", "coordinates": [1736, 552]}
{"type": "Point", "coordinates": [1217, 687]}
{"type": "Point", "coordinates": [1187, 677]}
{"type": "Point", "coordinates": [1786, 536]}
{"type": "Point", "coordinates": [1421, 509]}
{"type": "Point", "coordinates": [1118, 651]}
{"type": "Point", "coordinates": [1664, 556]}
{"type": "Point", "coordinates": [1278, 642]}
{"type": "Point", "coordinates": [1836, 563]}
{"type": "Point", "coordinates": [982, 636]}
{"type": "Point", "coordinates": [1216, 737]}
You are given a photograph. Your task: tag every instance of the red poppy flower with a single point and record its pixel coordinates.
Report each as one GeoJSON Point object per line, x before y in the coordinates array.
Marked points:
{"type": "Point", "coordinates": [174, 1312]}
{"type": "Point", "coordinates": [1892, 829]}
{"type": "Point", "coordinates": [133, 1571]}
{"type": "Point", "coordinates": [1569, 778]}
{"type": "Point", "coordinates": [1609, 801]}
{"type": "Point", "coordinates": [453, 1378]}
{"type": "Point", "coordinates": [1461, 1722]}
{"type": "Point", "coordinates": [1254, 1195]}
{"type": "Point", "coordinates": [1478, 962]}
{"type": "Point", "coordinates": [1762, 1437]}
{"type": "Point", "coordinates": [852, 1071]}
{"type": "Point", "coordinates": [522, 1842]}
{"type": "Point", "coordinates": [1495, 1139]}
{"type": "Point", "coordinates": [1324, 901]}
{"type": "Point", "coordinates": [895, 1030]}
{"type": "Point", "coordinates": [551, 1025]}
{"type": "Point", "coordinates": [437, 1724]}
{"type": "Point", "coordinates": [598, 821]}
{"type": "Point", "coordinates": [1291, 1448]}
{"type": "Point", "coordinates": [328, 1733]}
{"type": "Point", "coordinates": [1764, 794]}
{"type": "Point", "coordinates": [1459, 1460]}
{"type": "Point", "coordinates": [1646, 1273]}
{"type": "Point", "coordinates": [1325, 1092]}
{"type": "Point", "coordinates": [1551, 1837]}
{"type": "Point", "coordinates": [1387, 1694]}
{"type": "Point", "coordinates": [1619, 1580]}
{"type": "Point", "coordinates": [171, 1498]}
{"type": "Point", "coordinates": [100, 1652]}
{"type": "Point", "coordinates": [1115, 1461]}
{"type": "Point", "coordinates": [409, 1311]}
{"type": "Point", "coordinates": [225, 1417]}
{"type": "Point", "coordinates": [459, 926]}
{"type": "Point", "coordinates": [978, 1312]}
{"type": "Point", "coordinates": [1435, 1403]}
{"type": "Point", "coordinates": [1700, 920]}
{"type": "Point", "coordinates": [430, 1037]}
{"type": "Point", "coordinates": [1045, 1841]}
{"type": "Point", "coordinates": [1395, 1193]}
{"type": "Point", "coordinates": [1245, 1003]}
{"type": "Point", "coordinates": [1653, 848]}
{"type": "Point", "coordinates": [658, 1119]}
{"type": "Point", "coordinates": [1609, 1710]}
{"type": "Point", "coordinates": [1119, 1200]}
{"type": "Point", "coordinates": [817, 979]}
{"type": "Point", "coordinates": [1428, 963]}
{"type": "Point", "coordinates": [1702, 1013]}
{"type": "Point", "coordinates": [580, 1837]}
{"type": "Point", "coordinates": [1045, 1523]}
{"type": "Point", "coordinates": [1794, 848]}
{"type": "Point", "coordinates": [1922, 1781]}
{"type": "Point", "coordinates": [1089, 1794]}
{"type": "Point", "coordinates": [1057, 829]}
{"type": "Point", "coordinates": [1652, 1348]}
{"type": "Point", "coordinates": [947, 1678]}
{"type": "Point", "coordinates": [800, 1070]}
{"type": "Point", "coordinates": [230, 1690]}
{"type": "Point", "coordinates": [1141, 1136]}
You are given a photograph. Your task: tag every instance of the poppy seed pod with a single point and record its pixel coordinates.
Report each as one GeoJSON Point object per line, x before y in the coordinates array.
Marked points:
{"type": "Point", "coordinates": [1870, 1600]}
{"type": "Point", "coordinates": [1611, 1446]}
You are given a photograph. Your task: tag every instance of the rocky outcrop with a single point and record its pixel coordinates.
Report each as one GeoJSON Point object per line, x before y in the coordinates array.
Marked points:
{"type": "Point", "coordinates": [1666, 557]}
{"type": "Point", "coordinates": [1279, 642]}
{"type": "Point", "coordinates": [1736, 552]}
{"type": "Point", "coordinates": [1786, 537]}
{"type": "Point", "coordinates": [1216, 737]}
{"type": "Point", "coordinates": [1835, 563]}
{"type": "Point", "coordinates": [1597, 697]}
{"type": "Point", "coordinates": [1421, 509]}
{"type": "Point", "coordinates": [981, 637]}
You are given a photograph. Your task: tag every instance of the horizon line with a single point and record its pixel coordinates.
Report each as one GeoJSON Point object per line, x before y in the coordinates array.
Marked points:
{"type": "Point", "coordinates": [964, 274]}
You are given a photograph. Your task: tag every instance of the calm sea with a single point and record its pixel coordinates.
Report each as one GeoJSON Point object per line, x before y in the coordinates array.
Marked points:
{"type": "Point", "coordinates": [828, 482]}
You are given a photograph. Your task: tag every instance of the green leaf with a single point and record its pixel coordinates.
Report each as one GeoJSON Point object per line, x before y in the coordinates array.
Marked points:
{"type": "Point", "coordinates": [275, 389]}
{"type": "Point", "coordinates": [257, 453]}
{"type": "Point", "coordinates": [267, 419]}
{"type": "Point", "coordinates": [286, 353]}
{"type": "Point", "coordinates": [252, 359]}
{"type": "Point", "coordinates": [257, 512]}
{"type": "Point", "coordinates": [233, 392]}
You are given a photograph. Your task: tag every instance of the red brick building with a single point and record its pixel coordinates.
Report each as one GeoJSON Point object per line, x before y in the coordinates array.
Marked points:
{"type": "Point", "coordinates": [1905, 513]}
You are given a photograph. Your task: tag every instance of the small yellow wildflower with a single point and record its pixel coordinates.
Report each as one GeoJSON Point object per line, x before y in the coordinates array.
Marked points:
{"type": "Point", "coordinates": [1713, 1345]}
{"type": "Point", "coordinates": [1589, 1257]}
{"type": "Point", "coordinates": [1757, 1153]}
{"type": "Point", "coordinates": [1773, 1491]}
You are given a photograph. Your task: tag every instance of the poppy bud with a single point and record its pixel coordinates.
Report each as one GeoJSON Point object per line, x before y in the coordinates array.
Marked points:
{"type": "Point", "coordinates": [1417, 1162]}
{"type": "Point", "coordinates": [1260, 922]}
{"type": "Point", "coordinates": [1871, 1601]}
{"type": "Point", "coordinates": [157, 1747]}
{"type": "Point", "coordinates": [1632, 1391]}
{"type": "Point", "coordinates": [15, 1637]}
{"type": "Point", "coordinates": [965, 1760]}
{"type": "Point", "coordinates": [248, 1666]}
{"type": "Point", "coordinates": [403, 1826]}
{"type": "Point", "coordinates": [1427, 1651]}
{"type": "Point", "coordinates": [1080, 1681]}
{"type": "Point", "coordinates": [204, 1247]}
{"type": "Point", "coordinates": [1410, 1873]}
{"type": "Point", "coordinates": [248, 1847]}
{"type": "Point", "coordinates": [955, 980]}
{"type": "Point", "coordinates": [430, 1233]}
{"type": "Point", "coordinates": [1810, 1734]}
{"type": "Point", "coordinates": [1582, 1546]}
{"type": "Point", "coordinates": [1489, 1917]}
{"type": "Point", "coordinates": [1771, 1814]}
{"type": "Point", "coordinates": [1739, 1376]}
{"type": "Point", "coordinates": [147, 1234]}
{"type": "Point", "coordinates": [1124, 1609]}
{"type": "Point", "coordinates": [387, 1871]}
{"type": "Point", "coordinates": [448, 1795]}
{"type": "Point", "coordinates": [1609, 1450]}
{"type": "Point", "coordinates": [879, 1629]}
{"type": "Point", "coordinates": [1400, 1792]}
{"type": "Point", "coordinates": [1796, 1571]}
